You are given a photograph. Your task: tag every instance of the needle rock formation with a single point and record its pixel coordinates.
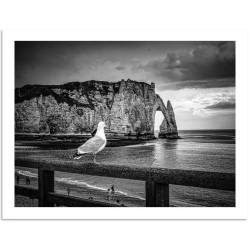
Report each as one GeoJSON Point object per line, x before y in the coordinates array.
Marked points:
{"type": "Point", "coordinates": [168, 128]}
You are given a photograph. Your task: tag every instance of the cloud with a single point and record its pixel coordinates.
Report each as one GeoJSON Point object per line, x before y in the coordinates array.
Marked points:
{"type": "Point", "coordinates": [222, 105]}
{"type": "Point", "coordinates": [207, 61]}
{"type": "Point", "coordinates": [207, 104]}
{"type": "Point", "coordinates": [120, 67]}
{"type": "Point", "coordinates": [194, 84]}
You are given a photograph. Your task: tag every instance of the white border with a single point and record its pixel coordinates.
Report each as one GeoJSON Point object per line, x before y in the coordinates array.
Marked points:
{"type": "Point", "coordinates": [11, 212]}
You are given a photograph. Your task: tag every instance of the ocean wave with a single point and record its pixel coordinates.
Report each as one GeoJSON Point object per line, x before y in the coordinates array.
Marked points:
{"type": "Point", "coordinates": [141, 145]}
{"type": "Point", "coordinates": [131, 195]}
{"type": "Point", "coordinates": [26, 173]}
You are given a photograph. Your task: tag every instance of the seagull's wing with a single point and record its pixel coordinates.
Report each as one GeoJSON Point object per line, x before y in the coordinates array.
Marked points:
{"type": "Point", "coordinates": [92, 145]}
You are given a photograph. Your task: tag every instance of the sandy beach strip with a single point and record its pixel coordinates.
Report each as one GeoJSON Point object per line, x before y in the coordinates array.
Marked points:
{"type": "Point", "coordinates": [78, 191]}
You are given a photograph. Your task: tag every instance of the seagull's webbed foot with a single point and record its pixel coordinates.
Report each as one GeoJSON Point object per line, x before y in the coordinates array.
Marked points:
{"type": "Point", "coordinates": [76, 156]}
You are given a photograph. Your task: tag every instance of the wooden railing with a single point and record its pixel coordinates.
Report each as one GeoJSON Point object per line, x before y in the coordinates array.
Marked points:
{"type": "Point", "coordinates": [157, 181]}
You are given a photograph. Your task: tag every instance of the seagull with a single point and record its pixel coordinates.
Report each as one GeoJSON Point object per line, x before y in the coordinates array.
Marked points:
{"type": "Point", "coordinates": [94, 144]}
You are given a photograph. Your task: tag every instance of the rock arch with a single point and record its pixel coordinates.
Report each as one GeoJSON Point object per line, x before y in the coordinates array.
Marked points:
{"type": "Point", "coordinates": [168, 127]}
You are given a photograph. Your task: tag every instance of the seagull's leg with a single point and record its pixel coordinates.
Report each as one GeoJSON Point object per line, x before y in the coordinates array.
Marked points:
{"type": "Point", "coordinates": [94, 158]}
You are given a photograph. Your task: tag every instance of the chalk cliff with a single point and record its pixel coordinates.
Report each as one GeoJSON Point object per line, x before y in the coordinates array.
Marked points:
{"type": "Point", "coordinates": [127, 107]}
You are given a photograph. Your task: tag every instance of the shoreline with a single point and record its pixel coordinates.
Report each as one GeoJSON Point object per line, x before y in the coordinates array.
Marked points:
{"type": "Point", "coordinates": [67, 142]}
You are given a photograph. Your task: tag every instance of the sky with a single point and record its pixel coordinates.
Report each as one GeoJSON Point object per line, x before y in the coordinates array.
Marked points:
{"type": "Point", "coordinates": [197, 77]}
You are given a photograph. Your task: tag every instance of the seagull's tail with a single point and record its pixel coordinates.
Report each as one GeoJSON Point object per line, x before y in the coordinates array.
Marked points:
{"type": "Point", "coordinates": [77, 156]}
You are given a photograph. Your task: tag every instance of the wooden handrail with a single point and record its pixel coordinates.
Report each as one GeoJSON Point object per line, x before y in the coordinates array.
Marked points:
{"type": "Point", "coordinates": [157, 180]}
{"type": "Point", "coordinates": [213, 180]}
{"type": "Point", "coordinates": [27, 191]}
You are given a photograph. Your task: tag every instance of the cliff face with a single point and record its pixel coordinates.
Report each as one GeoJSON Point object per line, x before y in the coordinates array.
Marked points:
{"type": "Point", "coordinates": [168, 128]}
{"type": "Point", "coordinates": [127, 107]}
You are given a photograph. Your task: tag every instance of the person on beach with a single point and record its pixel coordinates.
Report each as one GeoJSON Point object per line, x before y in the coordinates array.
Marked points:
{"type": "Point", "coordinates": [27, 180]}
{"type": "Point", "coordinates": [68, 191]}
{"type": "Point", "coordinates": [113, 192]}
{"type": "Point", "coordinates": [108, 194]}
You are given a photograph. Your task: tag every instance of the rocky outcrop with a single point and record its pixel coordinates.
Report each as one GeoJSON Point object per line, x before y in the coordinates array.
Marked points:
{"type": "Point", "coordinates": [127, 107]}
{"type": "Point", "coordinates": [168, 128]}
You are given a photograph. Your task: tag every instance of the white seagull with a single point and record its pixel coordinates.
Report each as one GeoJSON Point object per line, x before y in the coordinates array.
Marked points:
{"type": "Point", "coordinates": [94, 144]}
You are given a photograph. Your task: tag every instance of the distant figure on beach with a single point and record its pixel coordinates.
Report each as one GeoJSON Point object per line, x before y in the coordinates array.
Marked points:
{"type": "Point", "coordinates": [27, 180]}
{"type": "Point", "coordinates": [17, 178]}
{"type": "Point", "coordinates": [68, 191]}
{"type": "Point", "coordinates": [94, 144]}
{"type": "Point", "coordinates": [118, 201]}
{"type": "Point", "coordinates": [112, 191]}
{"type": "Point", "coordinates": [108, 194]}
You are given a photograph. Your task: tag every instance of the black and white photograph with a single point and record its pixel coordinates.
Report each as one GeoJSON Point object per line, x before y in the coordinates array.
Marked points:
{"type": "Point", "coordinates": [125, 124]}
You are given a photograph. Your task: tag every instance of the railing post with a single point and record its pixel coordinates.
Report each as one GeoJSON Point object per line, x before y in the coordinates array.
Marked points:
{"type": "Point", "coordinates": [45, 185]}
{"type": "Point", "coordinates": [157, 195]}
{"type": "Point", "coordinates": [162, 195]}
{"type": "Point", "coordinates": [150, 193]}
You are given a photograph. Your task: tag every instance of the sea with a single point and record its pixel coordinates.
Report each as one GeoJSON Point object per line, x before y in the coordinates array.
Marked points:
{"type": "Point", "coordinates": [203, 150]}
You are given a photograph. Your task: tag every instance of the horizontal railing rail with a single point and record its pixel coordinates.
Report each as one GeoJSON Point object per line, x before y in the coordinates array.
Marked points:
{"type": "Point", "coordinates": [157, 180]}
